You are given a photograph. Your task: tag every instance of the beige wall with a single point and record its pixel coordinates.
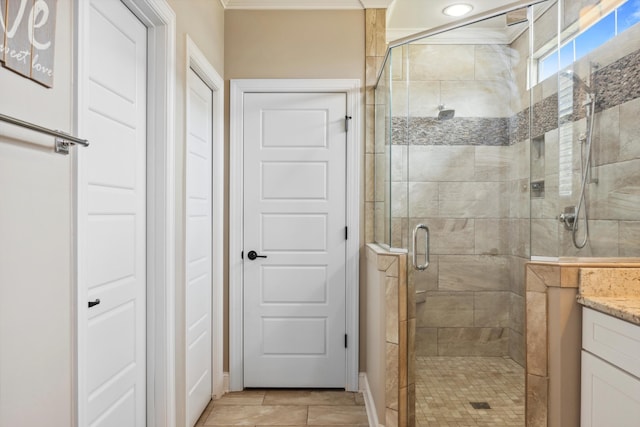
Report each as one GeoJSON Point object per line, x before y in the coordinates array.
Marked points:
{"type": "Point", "coordinates": [36, 223]}
{"type": "Point", "coordinates": [203, 20]}
{"type": "Point", "coordinates": [35, 247]}
{"type": "Point", "coordinates": [294, 44]}
{"type": "Point", "coordinates": [289, 45]}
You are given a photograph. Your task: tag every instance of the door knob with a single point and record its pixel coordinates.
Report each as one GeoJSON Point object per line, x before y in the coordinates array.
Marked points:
{"type": "Point", "coordinates": [253, 255]}
{"type": "Point", "coordinates": [92, 303]}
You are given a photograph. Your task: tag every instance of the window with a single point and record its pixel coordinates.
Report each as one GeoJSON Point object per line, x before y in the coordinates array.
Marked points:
{"type": "Point", "coordinates": [607, 27]}
{"type": "Point", "coordinates": [595, 36]}
{"type": "Point", "coordinates": [628, 15]}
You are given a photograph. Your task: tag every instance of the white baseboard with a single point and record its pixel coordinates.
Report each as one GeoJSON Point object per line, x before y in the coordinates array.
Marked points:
{"type": "Point", "coordinates": [369, 404]}
{"type": "Point", "coordinates": [225, 387]}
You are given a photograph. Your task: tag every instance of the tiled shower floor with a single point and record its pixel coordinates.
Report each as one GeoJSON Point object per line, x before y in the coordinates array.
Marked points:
{"type": "Point", "coordinates": [446, 386]}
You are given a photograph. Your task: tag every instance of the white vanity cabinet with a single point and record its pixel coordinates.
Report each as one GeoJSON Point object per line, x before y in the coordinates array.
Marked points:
{"type": "Point", "coordinates": [610, 395]}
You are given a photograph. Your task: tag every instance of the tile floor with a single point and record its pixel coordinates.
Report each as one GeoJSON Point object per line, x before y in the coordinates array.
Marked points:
{"type": "Point", "coordinates": [286, 408]}
{"type": "Point", "coordinates": [445, 386]}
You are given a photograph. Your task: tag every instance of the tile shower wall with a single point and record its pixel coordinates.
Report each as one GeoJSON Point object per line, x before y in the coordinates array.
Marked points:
{"type": "Point", "coordinates": [613, 194]}
{"type": "Point", "coordinates": [468, 182]}
{"type": "Point", "coordinates": [375, 48]}
{"type": "Point", "coordinates": [390, 337]}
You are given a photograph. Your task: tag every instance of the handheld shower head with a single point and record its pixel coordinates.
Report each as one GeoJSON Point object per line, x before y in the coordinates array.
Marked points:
{"type": "Point", "coordinates": [445, 113]}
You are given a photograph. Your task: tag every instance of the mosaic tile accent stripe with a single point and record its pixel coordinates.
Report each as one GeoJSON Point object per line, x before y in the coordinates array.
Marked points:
{"type": "Point", "coordinates": [545, 116]}
{"type": "Point", "coordinates": [455, 131]}
{"type": "Point", "coordinates": [519, 126]}
{"type": "Point", "coordinates": [615, 84]}
{"type": "Point", "coordinates": [618, 82]}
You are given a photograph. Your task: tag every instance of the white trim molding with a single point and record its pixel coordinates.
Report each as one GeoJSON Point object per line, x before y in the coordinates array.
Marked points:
{"type": "Point", "coordinates": [305, 4]}
{"type": "Point", "coordinates": [197, 61]}
{"type": "Point", "coordinates": [160, 21]}
{"type": "Point", "coordinates": [352, 88]}
{"type": "Point", "coordinates": [369, 403]}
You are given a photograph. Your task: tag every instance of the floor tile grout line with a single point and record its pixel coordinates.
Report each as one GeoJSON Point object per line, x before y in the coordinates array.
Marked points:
{"type": "Point", "coordinates": [346, 400]}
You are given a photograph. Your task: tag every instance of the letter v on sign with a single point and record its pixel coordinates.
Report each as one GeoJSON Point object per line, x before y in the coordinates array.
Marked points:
{"type": "Point", "coordinates": [18, 55]}
{"type": "Point", "coordinates": [3, 31]}
{"type": "Point", "coordinates": [28, 33]}
{"type": "Point", "coordinates": [10, 29]}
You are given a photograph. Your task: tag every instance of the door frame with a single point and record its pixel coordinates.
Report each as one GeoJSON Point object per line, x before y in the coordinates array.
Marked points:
{"type": "Point", "coordinates": [197, 61]}
{"type": "Point", "coordinates": [160, 21]}
{"type": "Point", "coordinates": [352, 88]}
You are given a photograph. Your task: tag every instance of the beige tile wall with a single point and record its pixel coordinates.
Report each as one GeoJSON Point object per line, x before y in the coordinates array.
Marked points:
{"type": "Point", "coordinates": [375, 47]}
{"type": "Point", "coordinates": [397, 401]}
{"type": "Point", "coordinates": [613, 201]}
{"type": "Point", "coordinates": [392, 318]}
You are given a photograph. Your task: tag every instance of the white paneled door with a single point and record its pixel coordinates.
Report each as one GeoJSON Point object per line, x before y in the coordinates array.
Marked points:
{"type": "Point", "coordinates": [198, 247]}
{"type": "Point", "coordinates": [294, 239]}
{"type": "Point", "coordinates": [112, 248]}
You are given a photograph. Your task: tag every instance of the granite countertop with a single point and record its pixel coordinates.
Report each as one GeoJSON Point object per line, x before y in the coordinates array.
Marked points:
{"type": "Point", "coordinates": [613, 291]}
{"type": "Point", "coordinates": [621, 307]}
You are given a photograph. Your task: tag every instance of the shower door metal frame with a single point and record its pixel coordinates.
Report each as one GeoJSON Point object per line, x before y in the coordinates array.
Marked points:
{"type": "Point", "coordinates": [483, 16]}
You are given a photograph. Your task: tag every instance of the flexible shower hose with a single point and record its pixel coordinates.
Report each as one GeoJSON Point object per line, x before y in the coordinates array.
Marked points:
{"type": "Point", "coordinates": [585, 166]}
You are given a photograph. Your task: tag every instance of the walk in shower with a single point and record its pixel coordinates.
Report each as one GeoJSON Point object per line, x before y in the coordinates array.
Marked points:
{"type": "Point", "coordinates": [497, 142]}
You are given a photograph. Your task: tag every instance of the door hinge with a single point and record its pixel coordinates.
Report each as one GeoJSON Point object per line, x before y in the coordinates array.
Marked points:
{"type": "Point", "coordinates": [242, 255]}
{"type": "Point", "coordinates": [345, 340]}
{"type": "Point", "coordinates": [346, 123]}
{"type": "Point", "coordinates": [346, 233]}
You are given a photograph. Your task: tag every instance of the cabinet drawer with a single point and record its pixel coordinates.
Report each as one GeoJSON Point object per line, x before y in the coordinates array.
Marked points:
{"type": "Point", "coordinates": [614, 340]}
{"type": "Point", "coordinates": [610, 397]}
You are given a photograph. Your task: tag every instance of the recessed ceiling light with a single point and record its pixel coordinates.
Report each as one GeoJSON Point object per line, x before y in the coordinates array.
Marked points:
{"type": "Point", "coordinates": [457, 9]}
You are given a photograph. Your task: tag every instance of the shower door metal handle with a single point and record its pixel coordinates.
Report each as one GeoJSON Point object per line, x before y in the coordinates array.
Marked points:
{"type": "Point", "coordinates": [426, 247]}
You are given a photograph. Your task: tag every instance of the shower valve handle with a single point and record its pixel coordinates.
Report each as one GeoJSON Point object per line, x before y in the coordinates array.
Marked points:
{"type": "Point", "coordinates": [568, 217]}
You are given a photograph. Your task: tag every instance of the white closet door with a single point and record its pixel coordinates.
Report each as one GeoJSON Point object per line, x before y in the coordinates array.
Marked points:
{"type": "Point", "coordinates": [112, 247]}
{"type": "Point", "coordinates": [198, 247]}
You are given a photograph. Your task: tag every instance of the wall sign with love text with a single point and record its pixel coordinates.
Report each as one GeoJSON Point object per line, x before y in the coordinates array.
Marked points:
{"type": "Point", "coordinates": [27, 38]}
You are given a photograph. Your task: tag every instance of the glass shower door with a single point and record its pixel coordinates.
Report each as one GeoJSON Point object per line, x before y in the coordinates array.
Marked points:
{"type": "Point", "coordinates": [465, 170]}
{"type": "Point", "coordinates": [390, 156]}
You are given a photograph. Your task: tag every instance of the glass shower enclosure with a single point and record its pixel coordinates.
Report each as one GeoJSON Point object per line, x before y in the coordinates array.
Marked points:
{"type": "Point", "coordinates": [501, 139]}
{"type": "Point", "coordinates": [452, 159]}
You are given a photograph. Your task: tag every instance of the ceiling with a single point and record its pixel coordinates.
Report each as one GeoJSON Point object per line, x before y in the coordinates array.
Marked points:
{"type": "Point", "coordinates": [404, 17]}
{"type": "Point", "coordinates": [419, 15]}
